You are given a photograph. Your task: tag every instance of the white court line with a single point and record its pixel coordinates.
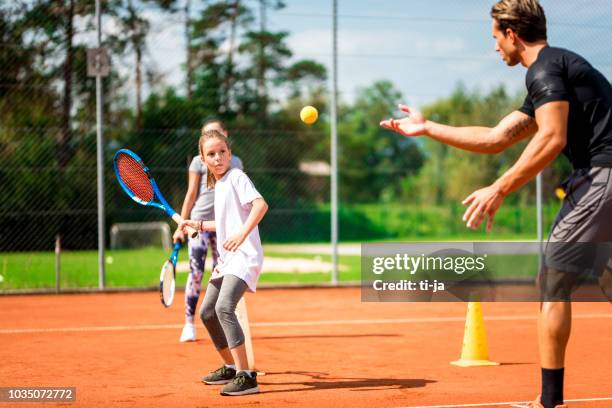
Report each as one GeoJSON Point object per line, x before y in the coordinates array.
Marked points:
{"type": "Point", "coordinates": [414, 320]}
{"type": "Point", "coordinates": [511, 404]}
{"type": "Point", "coordinates": [292, 324]}
{"type": "Point", "coordinates": [92, 329]}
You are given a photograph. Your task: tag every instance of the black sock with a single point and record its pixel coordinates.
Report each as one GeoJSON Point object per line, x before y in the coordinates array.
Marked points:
{"type": "Point", "coordinates": [552, 387]}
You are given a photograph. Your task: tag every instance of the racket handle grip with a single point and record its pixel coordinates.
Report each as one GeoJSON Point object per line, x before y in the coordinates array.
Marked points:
{"type": "Point", "coordinates": [178, 219]}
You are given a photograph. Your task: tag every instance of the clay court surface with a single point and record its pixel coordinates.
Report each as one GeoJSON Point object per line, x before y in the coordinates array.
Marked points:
{"type": "Point", "coordinates": [319, 347]}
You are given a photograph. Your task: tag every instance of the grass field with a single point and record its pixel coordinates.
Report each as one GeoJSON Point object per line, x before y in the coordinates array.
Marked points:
{"type": "Point", "coordinates": [139, 268]}
{"type": "Point", "coordinates": [133, 268]}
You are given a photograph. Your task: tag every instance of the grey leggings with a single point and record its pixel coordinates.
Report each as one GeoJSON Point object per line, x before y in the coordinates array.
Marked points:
{"type": "Point", "coordinates": [218, 311]}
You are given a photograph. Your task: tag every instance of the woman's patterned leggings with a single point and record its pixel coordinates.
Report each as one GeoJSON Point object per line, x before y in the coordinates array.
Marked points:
{"type": "Point", "coordinates": [198, 247]}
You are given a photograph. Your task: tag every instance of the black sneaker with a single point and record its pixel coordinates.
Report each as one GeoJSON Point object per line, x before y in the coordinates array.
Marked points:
{"type": "Point", "coordinates": [242, 384]}
{"type": "Point", "coordinates": [221, 376]}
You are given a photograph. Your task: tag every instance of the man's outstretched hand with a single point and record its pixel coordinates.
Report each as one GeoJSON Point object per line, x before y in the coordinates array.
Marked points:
{"type": "Point", "coordinates": [412, 125]}
{"type": "Point", "coordinates": [483, 203]}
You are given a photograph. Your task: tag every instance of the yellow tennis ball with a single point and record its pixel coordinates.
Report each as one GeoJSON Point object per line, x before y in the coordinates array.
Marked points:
{"type": "Point", "coordinates": [309, 115]}
{"type": "Point", "coordinates": [560, 193]}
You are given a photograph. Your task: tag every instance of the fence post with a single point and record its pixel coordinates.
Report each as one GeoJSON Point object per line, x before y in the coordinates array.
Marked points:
{"type": "Point", "coordinates": [58, 251]}
{"type": "Point", "coordinates": [334, 145]}
{"type": "Point", "coordinates": [100, 72]}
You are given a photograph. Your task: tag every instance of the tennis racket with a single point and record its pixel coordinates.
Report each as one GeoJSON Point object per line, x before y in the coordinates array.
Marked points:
{"type": "Point", "coordinates": [167, 276]}
{"type": "Point", "coordinates": [136, 180]}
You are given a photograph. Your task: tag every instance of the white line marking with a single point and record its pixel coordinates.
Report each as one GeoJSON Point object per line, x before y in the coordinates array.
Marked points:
{"type": "Point", "coordinates": [487, 404]}
{"type": "Point", "coordinates": [519, 404]}
{"type": "Point", "coordinates": [92, 329]}
{"type": "Point", "coordinates": [414, 320]}
{"type": "Point", "coordinates": [291, 324]}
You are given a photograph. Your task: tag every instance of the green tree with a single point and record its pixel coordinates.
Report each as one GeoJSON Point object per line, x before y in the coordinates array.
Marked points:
{"type": "Point", "coordinates": [267, 52]}
{"type": "Point", "coordinates": [449, 174]}
{"type": "Point", "coordinates": [373, 161]}
{"type": "Point", "coordinates": [305, 76]}
{"type": "Point", "coordinates": [206, 34]}
{"type": "Point", "coordinates": [52, 24]}
{"type": "Point", "coordinates": [134, 28]}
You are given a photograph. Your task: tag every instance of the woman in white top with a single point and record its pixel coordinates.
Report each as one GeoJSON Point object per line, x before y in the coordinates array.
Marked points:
{"type": "Point", "coordinates": [238, 209]}
{"type": "Point", "coordinates": [199, 205]}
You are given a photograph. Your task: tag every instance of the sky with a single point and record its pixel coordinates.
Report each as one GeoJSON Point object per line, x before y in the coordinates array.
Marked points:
{"type": "Point", "coordinates": [425, 47]}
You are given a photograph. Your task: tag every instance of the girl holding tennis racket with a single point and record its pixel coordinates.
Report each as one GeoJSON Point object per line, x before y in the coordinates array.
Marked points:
{"type": "Point", "coordinates": [198, 205]}
{"type": "Point", "coordinates": [238, 210]}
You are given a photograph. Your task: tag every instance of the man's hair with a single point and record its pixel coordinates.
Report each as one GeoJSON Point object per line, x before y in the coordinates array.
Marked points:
{"type": "Point", "coordinates": [214, 120]}
{"type": "Point", "coordinates": [525, 17]}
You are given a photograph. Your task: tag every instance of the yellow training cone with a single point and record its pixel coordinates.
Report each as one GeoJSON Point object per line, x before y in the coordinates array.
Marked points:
{"type": "Point", "coordinates": [475, 351]}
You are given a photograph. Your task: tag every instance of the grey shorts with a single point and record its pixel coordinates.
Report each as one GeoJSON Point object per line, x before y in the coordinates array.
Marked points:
{"type": "Point", "coordinates": [586, 213]}
{"type": "Point", "coordinates": [580, 241]}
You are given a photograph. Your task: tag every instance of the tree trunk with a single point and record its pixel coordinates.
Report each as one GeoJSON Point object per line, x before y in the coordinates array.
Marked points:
{"type": "Point", "coordinates": [64, 143]}
{"type": "Point", "coordinates": [261, 66]}
{"type": "Point", "coordinates": [138, 86]}
{"type": "Point", "coordinates": [189, 62]}
{"type": "Point", "coordinates": [229, 75]}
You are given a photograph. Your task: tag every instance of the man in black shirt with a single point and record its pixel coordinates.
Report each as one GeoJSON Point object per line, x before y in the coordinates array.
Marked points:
{"type": "Point", "coordinates": [568, 110]}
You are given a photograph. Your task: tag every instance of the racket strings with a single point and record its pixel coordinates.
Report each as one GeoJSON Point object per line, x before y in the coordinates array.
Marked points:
{"type": "Point", "coordinates": [134, 177]}
{"type": "Point", "coordinates": [168, 283]}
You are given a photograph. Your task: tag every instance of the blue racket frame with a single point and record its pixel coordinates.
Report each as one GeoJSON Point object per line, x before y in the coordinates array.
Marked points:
{"type": "Point", "coordinates": [174, 256]}
{"type": "Point", "coordinates": [162, 204]}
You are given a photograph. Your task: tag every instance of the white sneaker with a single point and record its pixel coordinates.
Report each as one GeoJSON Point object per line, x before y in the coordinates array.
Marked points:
{"type": "Point", "coordinates": [189, 333]}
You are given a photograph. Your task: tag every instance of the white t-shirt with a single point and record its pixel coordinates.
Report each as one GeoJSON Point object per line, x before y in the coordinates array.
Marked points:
{"type": "Point", "coordinates": [234, 194]}
{"type": "Point", "coordinates": [203, 207]}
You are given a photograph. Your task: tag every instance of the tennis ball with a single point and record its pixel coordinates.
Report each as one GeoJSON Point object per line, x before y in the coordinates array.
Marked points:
{"type": "Point", "coordinates": [560, 193]}
{"type": "Point", "coordinates": [309, 115]}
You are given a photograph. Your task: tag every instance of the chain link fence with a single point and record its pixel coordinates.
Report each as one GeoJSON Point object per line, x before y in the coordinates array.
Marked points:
{"type": "Point", "coordinates": [175, 64]}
